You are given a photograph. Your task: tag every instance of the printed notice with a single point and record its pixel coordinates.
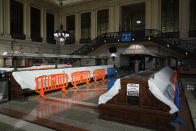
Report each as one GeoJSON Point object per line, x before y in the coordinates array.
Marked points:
{"type": "Point", "coordinates": [132, 89]}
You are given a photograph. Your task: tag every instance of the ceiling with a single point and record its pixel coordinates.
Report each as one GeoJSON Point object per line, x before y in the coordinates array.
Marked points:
{"type": "Point", "coordinates": [65, 2]}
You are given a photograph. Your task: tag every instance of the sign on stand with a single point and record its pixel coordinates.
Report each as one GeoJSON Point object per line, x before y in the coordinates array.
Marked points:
{"type": "Point", "coordinates": [132, 93]}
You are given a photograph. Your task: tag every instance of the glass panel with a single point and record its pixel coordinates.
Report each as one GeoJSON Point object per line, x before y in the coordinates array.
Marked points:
{"type": "Point", "coordinates": [170, 16]}
{"type": "Point", "coordinates": [85, 26]}
{"type": "Point", "coordinates": [16, 17]}
{"type": "Point", "coordinates": [50, 28]}
{"type": "Point", "coordinates": [133, 17]}
{"type": "Point", "coordinates": [192, 18]}
{"type": "Point", "coordinates": [70, 27]}
{"type": "Point", "coordinates": [35, 25]}
{"type": "Point", "coordinates": [102, 21]}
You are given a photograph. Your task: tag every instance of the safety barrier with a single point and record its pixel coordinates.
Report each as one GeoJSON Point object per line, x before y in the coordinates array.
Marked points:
{"type": "Point", "coordinates": [111, 72]}
{"type": "Point", "coordinates": [47, 83]}
{"type": "Point", "coordinates": [80, 77]}
{"type": "Point", "coordinates": [98, 74]}
{"type": "Point", "coordinates": [66, 67]}
{"type": "Point", "coordinates": [27, 69]}
{"type": "Point", "coordinates": [177, 99]}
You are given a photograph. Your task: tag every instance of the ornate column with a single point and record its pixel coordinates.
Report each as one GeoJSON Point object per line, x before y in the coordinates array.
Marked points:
{"type": "Point", "coordinates": [148, 14]}
{"type": "Point", "coordinates": [184, 18]}
{"type": "Point", "coordinates": [1, 18]}
{"type": "Point", "coordinates": [156, 14]}
{"type": "Point", "coordinates": [77, 27]}
{"type": "Point", "coordinates": [111, 19]}
{"type": "Point", "coordinates": [117, 14]}
{"type": "Point", "coordinates": [43, 25]}
{"type": "Point", "coordinates": [6, 18]}
{"type": "Point", "coordinates": [93, 24]}
{"type": "Point", "coordinates": [27, 21]}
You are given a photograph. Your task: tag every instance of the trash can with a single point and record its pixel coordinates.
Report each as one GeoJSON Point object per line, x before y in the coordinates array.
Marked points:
{"type": "Point", "coordinates": [4, 87]}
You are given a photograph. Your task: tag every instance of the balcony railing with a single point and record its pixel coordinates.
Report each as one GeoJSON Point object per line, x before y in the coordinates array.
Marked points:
{"type": "Point", "coordinates": [170, 40]}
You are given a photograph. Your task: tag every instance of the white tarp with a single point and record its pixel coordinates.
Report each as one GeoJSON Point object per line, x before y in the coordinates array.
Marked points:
{"type": "Point", "coordinates": [47, 66]}
{"type": "Point", "coordinates": [162, 88]}
{"type": "Point", "coordinates": [110, 93]}
{"type": "Point", "coordinates": [26, 79]}
{"type": "Point", "coordinates": [7, 69]}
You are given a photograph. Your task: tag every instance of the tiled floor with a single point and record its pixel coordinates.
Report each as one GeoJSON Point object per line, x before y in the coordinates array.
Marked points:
{"type": "Point", "coordinates": [190, 92]}
{"type": "Point", "coordinates": [76, 110]}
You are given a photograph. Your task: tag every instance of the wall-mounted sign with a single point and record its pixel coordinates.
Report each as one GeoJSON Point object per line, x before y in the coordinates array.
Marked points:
{"type": "Point", "coordinates": [126, 36]}
{"type": "Point", "coordinates": [132, 89]}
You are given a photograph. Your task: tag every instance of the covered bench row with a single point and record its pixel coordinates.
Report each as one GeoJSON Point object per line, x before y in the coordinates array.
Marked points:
{"type": "Point", "coordinates": [148, 99]}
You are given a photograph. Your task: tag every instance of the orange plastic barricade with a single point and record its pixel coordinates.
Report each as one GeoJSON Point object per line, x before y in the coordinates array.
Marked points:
{"type": "Point", "coordinates": [66, 67]}
{"type": "Point", "coordinates": [175, 80]}
{"type": "Point", "coordinates": [80, 77]}
{"type": "Point", "coordinates": [27, 69]}
{"type": "Point", "coordinates": [47, 83]}
{"type": "Point", "coordinates": [98, 74]}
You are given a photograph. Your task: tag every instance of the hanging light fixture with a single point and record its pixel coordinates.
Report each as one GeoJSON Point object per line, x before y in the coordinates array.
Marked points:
{"type": "Point", "coordinates": [61, 34]}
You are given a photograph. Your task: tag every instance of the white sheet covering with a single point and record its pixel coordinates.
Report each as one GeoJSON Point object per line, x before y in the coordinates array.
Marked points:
{"type": "Point", "coordinates": [162, 88]}
{"type": "Point", "coordinates": [26, 79]}
{"type": "Point", "coordinates": [7, 69]}
{"type": "Point", "coordinates": [110, 93]}
{"type": "Point", "coordinates": [47, 66]}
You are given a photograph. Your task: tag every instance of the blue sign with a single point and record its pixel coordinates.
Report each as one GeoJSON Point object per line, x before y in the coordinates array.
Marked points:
{"type": "Point", "coordinates": [126, 36]}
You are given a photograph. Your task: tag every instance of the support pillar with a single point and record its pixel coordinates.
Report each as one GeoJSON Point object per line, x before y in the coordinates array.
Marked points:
{"type": "Point", "coordinates": [156, 14]}
{"type": "Point", "coordinates": [111, 19]}
{"type": "Point", "coordinates": [1, 18]}
{"type": "Point", "coordinates": [27, 21]}
{"type": "Point", "coordinates": [6, 18]}
{"type": "Point", "coordinates": [77, 28]}
{"type": "Point", "coordinates": [43, 25]}
{"type": "Point", "coordinates": [93, 24]}
{"type": "Point", "coordinates": [148, 14]}
{"type": "Point", "coordinates": [184, 18]}
{"type": "Point", "coordinates": [117, 16]}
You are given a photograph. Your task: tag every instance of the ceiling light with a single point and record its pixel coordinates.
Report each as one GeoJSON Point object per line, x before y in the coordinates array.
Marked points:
{"type": "Point", "coordinates": [61, 34]}
{"type": "Point", "coordinates": [4, 53]}
{"type": "Point", "coordinates": [113, 55]}
{"type": "Point", "coordinates": [138, 21]}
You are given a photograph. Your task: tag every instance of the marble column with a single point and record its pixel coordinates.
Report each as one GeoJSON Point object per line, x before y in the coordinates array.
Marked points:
{"type": "Point", "coordinates": [93, 24]}
{"type": "Point", "coordinates": [148, 14]}
{"type": "Point", "coordinates": [117, 16]}
{"type": "Point", "coordinates": [43, 25]}
{"type": "Point", "coordinates": [184, 18]}
{"type": "Point", "coordinates": [111, 19]}
{"type": "Point", "coordinates": [156, 14]}
{"type": "Point", "coordinates": [6, 18]}
{"type": "Point", "coordinates": [1, 18]}
{"type": "Point", "coordinates": [77, 28]}
{"type": "Point", "coordinates": [27, 21]}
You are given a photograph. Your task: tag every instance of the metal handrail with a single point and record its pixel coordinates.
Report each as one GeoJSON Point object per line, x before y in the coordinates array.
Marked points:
{"type": "Point", "coordinates": [169, 38]}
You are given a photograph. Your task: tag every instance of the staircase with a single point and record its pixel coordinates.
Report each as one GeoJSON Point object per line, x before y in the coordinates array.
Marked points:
{"type": "Point", "coordinates": [186, 47]}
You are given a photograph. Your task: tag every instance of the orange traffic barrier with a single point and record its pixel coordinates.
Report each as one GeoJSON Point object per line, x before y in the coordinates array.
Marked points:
{"type": "Point", "coordinates": [80, 77]}
{"type": "Point", "coordinates": [98, 74]}
{"type": "Point", "coordinates": [47, 83]}
{"type": "Point", "coordinates": [175, 80]}
{"type": "Point", "coordinates": [27, 69]}
{"type": "Point", "coordinates": [66, 67]}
